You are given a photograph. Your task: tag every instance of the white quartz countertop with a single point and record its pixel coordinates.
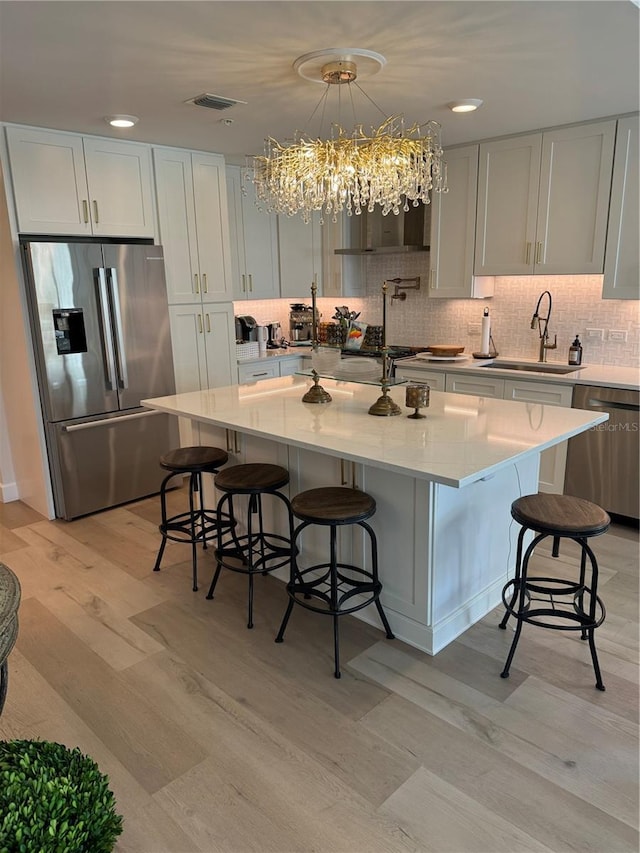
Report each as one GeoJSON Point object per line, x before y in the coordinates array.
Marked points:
{"type": "Point", "coordinates": [462, 439]}
{"type": "Point", "coordinates": [604, 375]}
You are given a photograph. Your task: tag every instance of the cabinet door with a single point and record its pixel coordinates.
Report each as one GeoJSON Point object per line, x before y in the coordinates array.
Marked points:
{"type": "Point", "coordinates": [573, 205]}
{"type": "Point", "coordinates": [289, 366]}
{"type": "Point", "coordinates": [210, 197]}
{"type": "Point", "coordinates": [508, 180]}
{"type": "Point", "coordinates": [621, 267]}
{"type": "Point", "coordinates": [120, 188]}
{"type": "Point", "coordinates": [177, 219]}
{"type": "Point", "coordinates": [459, 383]}
{"type": "Point", "coordinates": [254, 242]}
{"type": "Point", "coordinates": [434, 379]}
{"type": "Point", "coordinates": [453, 222]}
{"type": "Point", "coordinates": [342, 275]}
{"type": "Point", "coordinates": [219, 336]}
{"type": "Point", "coordinates": [537, 395]}
{"type": "Point", "coordinates": [300, 249]}
{"type": "Point", "coordinates": [49, 182]}
{"type": "Point", "coordinates": [189, 351]}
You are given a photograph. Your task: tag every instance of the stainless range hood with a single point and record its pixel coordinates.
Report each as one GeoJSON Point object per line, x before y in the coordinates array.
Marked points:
{"type": "Point", "coordinates": [373, 233]}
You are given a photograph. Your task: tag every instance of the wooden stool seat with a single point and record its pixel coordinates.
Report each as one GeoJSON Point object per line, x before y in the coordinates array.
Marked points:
{"type": "Point", "coordinates": [558, 604]}
{"type": "Point", "coordinates": [9, 602]}
{"type": "Point", "coordinates": [258, 551]}
{"type": "Point", "coordinates": [252, 478]}
{"type": "Point", "coordinates": [560, 515]}
{"type": "Point", "coordinates": [189, 460]}
{"type": "Point", "coordinates": [197, 524]}
{"type": "Point", "coordinates": [333, 505]}
{"type": "Point", "coordinates": [334, 588]}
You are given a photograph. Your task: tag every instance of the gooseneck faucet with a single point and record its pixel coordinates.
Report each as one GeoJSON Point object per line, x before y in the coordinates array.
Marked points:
{"type": "Point", "coordinates": [543, 331]}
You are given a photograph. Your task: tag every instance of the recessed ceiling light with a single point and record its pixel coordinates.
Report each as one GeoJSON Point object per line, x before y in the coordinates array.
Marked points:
{"type": "Point", "coordinates": [468, 105]}
{"type": "Point", "coordinates": [121, 121]}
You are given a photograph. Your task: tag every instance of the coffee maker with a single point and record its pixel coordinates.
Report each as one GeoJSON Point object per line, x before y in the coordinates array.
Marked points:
{"type": "Point", "coordinates": [246, 328]}
{"type": "Point", "coordinates": [300, 323]}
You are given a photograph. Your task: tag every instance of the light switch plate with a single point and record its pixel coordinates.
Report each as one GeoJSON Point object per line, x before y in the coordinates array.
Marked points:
{"type": "Point", "coordinates": [618, 336]}
{"type": "Point", "coordinates": [595, 334]}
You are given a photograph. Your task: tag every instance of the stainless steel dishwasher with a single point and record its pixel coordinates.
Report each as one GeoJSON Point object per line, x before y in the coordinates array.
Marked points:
{"type": "Point", "coordinates": [602, 463]}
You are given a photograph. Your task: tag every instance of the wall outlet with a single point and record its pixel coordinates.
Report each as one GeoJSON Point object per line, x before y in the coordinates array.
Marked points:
{"type": "Point", "coordinates": [618, 336]}
{"type": "Point", "coordinates": [594, 334]}
{"type": "Point", "coordinates": [474, 328]}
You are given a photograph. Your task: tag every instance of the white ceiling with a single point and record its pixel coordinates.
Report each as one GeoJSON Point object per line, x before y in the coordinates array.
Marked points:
{"type": "Point", "coordinates": [535, 64]}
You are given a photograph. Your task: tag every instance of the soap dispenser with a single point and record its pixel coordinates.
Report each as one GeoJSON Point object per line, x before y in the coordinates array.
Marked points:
{"type": "Point", "coordinates": [575, 352]}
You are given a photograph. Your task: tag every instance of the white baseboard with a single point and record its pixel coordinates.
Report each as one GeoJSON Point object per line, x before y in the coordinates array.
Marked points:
{"type": "Point", "coordinates": [8, 493]}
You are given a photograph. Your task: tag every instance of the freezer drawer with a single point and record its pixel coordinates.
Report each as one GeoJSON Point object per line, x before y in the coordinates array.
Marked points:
{"type": "Point", "coordinates": [101, 463]}
{"type": "Point", "coordinates": [603, 463]}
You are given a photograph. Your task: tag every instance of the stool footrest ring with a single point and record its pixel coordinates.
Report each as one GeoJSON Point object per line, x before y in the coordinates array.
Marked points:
{"type": "Point", "coordinates": [266, 549]}
{"type": "Point", "coordinates": [553, 588]}
{"type": "Point", "coordinates": [309, 583]}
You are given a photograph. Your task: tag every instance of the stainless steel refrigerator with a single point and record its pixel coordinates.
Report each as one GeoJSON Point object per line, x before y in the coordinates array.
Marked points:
{"type": "Point", "coordinates": [100, 328]}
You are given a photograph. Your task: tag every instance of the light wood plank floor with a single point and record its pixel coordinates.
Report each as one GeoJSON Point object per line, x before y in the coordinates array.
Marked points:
{"type": "Point", "coordinates": [216, 739]}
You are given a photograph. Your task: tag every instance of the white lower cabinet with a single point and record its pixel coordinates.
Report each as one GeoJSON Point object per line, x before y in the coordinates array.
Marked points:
{"type": "Point", "coordinates": [202, 337]}
{"type": "Point", "coordinates": [534, 394]}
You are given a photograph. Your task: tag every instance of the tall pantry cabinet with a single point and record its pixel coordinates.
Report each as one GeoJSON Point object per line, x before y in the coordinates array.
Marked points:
{"type": "Point", "coordinates": [192, 216]}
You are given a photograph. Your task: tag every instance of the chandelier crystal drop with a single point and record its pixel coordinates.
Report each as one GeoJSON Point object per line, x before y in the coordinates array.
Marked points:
{"type": "Point", "coordinates": [351, 171]}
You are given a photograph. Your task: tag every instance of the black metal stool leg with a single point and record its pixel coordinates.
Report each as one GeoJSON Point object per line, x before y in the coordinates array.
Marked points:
{"type": "Point", "coordinates": [522, 591]}
{"type": "Point", "coordinates": [194, 549]}
{"type": "Point", "coordinates": [374, 571]}
{"type": "Point", "coordinates": [586, 551]}
{"type": "Point", "coordinates": [516, 585]}
{"type": "Point", "coordinates": [280, 636]}
{"type": "Point", "coordinates": [163, 522]}
{"type": "Point", "coordinates": [333, 580]}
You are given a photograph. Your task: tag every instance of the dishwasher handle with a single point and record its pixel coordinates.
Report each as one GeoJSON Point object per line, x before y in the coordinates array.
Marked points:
{"type": "Point", "coordinates": [595, 403]}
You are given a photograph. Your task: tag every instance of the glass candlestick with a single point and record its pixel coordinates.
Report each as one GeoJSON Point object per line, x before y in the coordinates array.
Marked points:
{"type": "Point", "coordinates": [416, 397]}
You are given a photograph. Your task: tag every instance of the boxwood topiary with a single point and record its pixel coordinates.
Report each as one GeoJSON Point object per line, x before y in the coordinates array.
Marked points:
{"type": "Point", "coordinates": [54, 800]}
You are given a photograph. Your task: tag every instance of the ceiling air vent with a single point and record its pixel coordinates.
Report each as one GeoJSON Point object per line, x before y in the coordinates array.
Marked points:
{"type": "Point", "coordinates": [213, 102]}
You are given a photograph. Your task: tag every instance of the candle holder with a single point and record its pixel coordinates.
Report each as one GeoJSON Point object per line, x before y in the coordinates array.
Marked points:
{"type": "Point", "coordinates": [384, 406]}
{"type": "Point", "coordinates": [417, 397]}
{"type": "Point", "coordinates": [315, 394]}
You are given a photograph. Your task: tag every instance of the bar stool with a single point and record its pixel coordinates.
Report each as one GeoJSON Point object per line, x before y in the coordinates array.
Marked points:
{"type": "Point", "coordinates": [333, 585]}
{"type": "Point", "coordinates": [558, 604]}
{"type": "Point", "coordinates": [9, 602]}
{"type": "Point", "coordinates": [197, 524]}
{"type": "Point", "coordinates": [258, 551]}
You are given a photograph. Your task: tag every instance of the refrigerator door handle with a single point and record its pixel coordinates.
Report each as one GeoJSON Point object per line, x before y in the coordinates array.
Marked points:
{"type": "Point", "coordinates": [106, 336]}
{"type": "Point", "coordinates": [108, 421]}
{"type": "Point", "coordinates": [121, 356]}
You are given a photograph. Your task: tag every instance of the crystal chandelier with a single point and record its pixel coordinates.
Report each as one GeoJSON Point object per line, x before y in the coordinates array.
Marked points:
{"type": "Point", "coordinates": [350, 171]}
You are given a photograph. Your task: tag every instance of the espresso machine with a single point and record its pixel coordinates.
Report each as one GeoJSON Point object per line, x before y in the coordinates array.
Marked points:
{"type": "Point", "coordinates": [300, 323]}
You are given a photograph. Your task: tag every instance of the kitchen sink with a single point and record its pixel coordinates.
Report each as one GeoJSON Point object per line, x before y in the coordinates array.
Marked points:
{"type": "Point", "coordinates": [534, 367]}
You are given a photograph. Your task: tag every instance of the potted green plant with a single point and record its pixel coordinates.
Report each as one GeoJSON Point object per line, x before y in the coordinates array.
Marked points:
{"type": "Point", "coordinates": [54, 800]}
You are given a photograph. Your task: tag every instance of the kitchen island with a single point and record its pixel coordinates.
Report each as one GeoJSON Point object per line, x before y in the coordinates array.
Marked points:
{"type": "Point", "coordinates": [443, 485]}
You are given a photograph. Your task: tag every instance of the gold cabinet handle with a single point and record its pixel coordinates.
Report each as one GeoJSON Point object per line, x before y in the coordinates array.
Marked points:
{"type": "Point", "coordinates": [196, 282]}
{"type": "Point", "coordinates": [244, 283]}
{"type": "Point", "coordinates": [85, 211]}
{"type": "Point", "coordinates": [250, 283]}
{"type": "Point", "coordinates": [353, 476]}
{"type": "Point", "coordinates": [538, 253]}
{"type": "Point", "coordinates": [200, 323]}
{"type": "Point", "coordinates": [432, 279]}
{"type": "Point", "coordinates": [95, 212]}
{"type": "Point", "coordinates": [236, 442]}
{"type": "Point", "coordinates": [343, 479]}
{"type": "Point", "coordinates": [227, 433]}
{"type": "Point", "coordinates": [208, 323]}
{"type": "Point", "coordinates": [527, 258]}
{"type": "Point", "coordinates": [204, 282]}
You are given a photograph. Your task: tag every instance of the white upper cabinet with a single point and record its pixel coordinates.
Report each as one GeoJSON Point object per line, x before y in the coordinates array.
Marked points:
{"type": "Point", "coordinates": [73, 185]}
{"type": "Point", "coordinates": [543, 202]}
{"type": "Point", "coordinates": [300, 250]}
{"type": "Point", "coordinates": [254, 242]}
{"type": "Point", "coordinates": [453, 223]}
{"type": "Point", "coordinates": [342, 275]}
{"type": "Point", "coordinates": [621, 268]}
{"type": "Point", "coordinates": [192, 207]}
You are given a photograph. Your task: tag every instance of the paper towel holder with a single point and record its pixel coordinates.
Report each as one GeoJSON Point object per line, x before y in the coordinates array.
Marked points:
{"type": "Point", "coordinates": [493, 352]}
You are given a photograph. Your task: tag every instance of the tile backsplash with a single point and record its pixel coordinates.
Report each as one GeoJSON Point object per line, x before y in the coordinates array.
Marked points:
{"type": "Point", "coordinates": [419, 320]}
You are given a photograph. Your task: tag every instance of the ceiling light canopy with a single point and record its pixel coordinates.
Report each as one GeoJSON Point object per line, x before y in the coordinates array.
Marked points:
{"type": "Point", "coordinates": [121, 120]}
{"type": "Point", "coordinates": [351, 171]}
{"type": "Point", "coordinates": [468, 105]}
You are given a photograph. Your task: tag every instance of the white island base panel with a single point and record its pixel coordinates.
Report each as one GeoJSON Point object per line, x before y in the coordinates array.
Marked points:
{"type": "Point", "coordinates": [444, 554]}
